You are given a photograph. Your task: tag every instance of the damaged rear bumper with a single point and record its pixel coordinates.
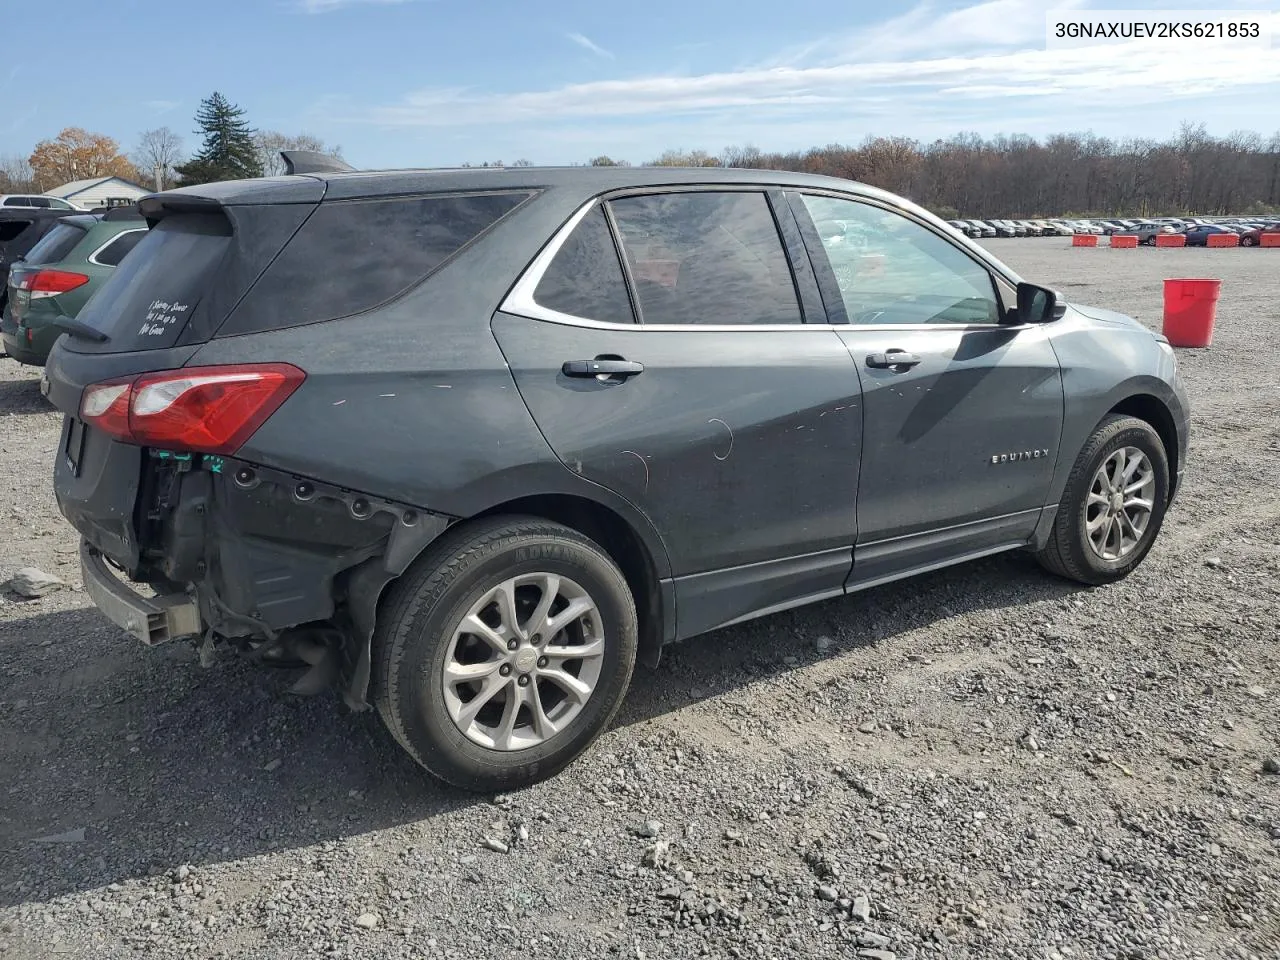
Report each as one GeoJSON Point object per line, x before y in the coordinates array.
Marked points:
{"type": "Point", "coordinates": [235, 551]}
{"type": "Point", "coordinates": [150, 619]}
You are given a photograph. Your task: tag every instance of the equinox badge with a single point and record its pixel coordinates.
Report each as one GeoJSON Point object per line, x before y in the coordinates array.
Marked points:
{"type": "Point", "coordinates": [1018, 455]}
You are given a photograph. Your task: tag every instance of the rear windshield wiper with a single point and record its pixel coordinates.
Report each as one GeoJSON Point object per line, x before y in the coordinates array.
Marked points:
{"type": "Point", "coordinates": [77, 329]}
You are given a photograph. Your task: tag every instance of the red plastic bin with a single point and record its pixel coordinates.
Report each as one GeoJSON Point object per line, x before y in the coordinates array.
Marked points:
{"type": "Point", "coordinates": [1190, 308]}
{"type": "Point", "coordinates": [1124, 240]}
{"type": "Point", "coordinates": [1223, 240]}
{"type": "Point", "coordinates": [1084, 240]}
{"type": "Point", "coordinates": [1170, 240]}
{"type": "Point", "coordinates": [1269, 240]}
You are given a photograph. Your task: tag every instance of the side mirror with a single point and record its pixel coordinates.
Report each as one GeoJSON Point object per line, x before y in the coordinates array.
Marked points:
{"type": "Point", "coordinates": [1037, 304]}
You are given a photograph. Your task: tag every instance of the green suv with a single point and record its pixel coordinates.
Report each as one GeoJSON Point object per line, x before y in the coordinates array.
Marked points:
{"type": "Point", "coordinates": [58, 275]}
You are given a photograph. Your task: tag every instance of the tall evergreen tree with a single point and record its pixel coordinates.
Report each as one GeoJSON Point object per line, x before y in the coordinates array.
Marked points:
{"type": "Point", "coordinates": [228, 152]}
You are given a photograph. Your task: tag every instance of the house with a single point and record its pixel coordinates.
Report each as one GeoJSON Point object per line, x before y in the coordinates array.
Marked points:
{"type": "Point", "coordinates": [99, 192]}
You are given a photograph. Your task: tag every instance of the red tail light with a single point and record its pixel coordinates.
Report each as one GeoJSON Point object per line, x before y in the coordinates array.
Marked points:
{"type": "Point", "coordinates": [50, 283]}
{"type": "Point", "coordinates": [201, 409]}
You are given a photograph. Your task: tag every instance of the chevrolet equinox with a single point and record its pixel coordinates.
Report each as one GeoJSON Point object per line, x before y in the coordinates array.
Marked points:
{"type": "Point", "coordinates": [469, 443]}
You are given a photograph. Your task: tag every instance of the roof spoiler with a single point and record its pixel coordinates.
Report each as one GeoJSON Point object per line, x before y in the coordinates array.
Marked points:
{"type": "Point", "coordinates": [312, 161]}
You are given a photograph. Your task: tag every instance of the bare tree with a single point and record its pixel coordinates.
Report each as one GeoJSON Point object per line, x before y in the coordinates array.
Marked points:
{"type": "Point", "coordinates": [269, 143]}
{"type": "Point", "coordinates": [16, 175]}
{"type": "Point", "coordinates": [156, 154]}
{"type": "Point", "coordinates": [682, 158]}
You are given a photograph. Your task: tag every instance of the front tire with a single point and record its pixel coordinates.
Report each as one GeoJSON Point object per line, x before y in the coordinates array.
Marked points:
{"type": "Point", "coordinates": [1113, 505]}
{"type": "Point", "coordinates": [504, 652]}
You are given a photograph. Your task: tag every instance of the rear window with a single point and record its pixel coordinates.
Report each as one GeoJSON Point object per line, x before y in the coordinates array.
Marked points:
{"type": "Point", "coordinates": [113, 252]}
{"type": "Point", "coordinates": [57, 244]}
{"type": "Point", "coordinates": [353, 255]}
{"type": "Point", "coordinates": [149, 299]}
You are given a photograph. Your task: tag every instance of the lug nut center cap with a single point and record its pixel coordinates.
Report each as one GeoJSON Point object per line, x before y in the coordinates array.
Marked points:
{"type": "Point", "coordinates": [526, 659]}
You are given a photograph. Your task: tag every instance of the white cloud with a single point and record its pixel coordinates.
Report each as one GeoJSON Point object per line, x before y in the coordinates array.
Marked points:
{"type": "Point", "coordinates": [328, 6]}
{"type": "Point", "coordinates": [926, 72]}
{"type": "Point", "coordinates": [1113, 75]}
{"type": "Point", "coordinates": [586, 43]}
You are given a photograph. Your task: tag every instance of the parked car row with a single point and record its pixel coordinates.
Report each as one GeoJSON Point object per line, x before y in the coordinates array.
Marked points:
{"type": "Point", "coordinates": [51, 265]}
{"type": "Point", "coordinates": [1197, 229]}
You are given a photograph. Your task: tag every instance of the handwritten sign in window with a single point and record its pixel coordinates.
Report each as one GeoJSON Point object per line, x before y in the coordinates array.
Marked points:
{"type": "Point", "coordinates": [161, 316]}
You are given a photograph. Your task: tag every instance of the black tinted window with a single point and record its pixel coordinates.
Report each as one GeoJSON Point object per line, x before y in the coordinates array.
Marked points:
{"type": "Point", "coordinates": [55, 245]}
{"type": "Point", "coordinates": [585, 278]}
{"type": "Point", "coordinates": [352, 255]}
{"type": "Point", "coordinates": [11, 228]}
{"type": "Point", "coordinates": [40, 202]}
{"type": "Point", "coordinates": [706, 258]}
{"type": "Point", "coordinates": [113, 253]}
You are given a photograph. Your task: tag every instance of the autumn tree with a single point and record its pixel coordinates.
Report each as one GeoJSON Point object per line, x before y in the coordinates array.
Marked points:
{"type": "Point", "coordinates": [269, 143]}
{"type": "Point", "coordinates": [156, 154]}
{"type": "Point", "coordinates": [228, 152]}
{"type": "Point", "coordinates": [77, 154]}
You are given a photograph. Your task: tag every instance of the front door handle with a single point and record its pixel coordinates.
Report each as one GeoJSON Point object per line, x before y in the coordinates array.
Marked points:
{"type": "Point", "coordinates": [891, 359]}
{"type": "Point", "coordinates": [602, 368]}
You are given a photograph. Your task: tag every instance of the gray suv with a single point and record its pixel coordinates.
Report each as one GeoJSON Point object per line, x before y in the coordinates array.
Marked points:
{"type": "Point", "coordinates": [467, 444]}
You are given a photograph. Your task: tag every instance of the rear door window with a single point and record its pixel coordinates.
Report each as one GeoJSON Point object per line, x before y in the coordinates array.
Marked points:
{"type": "Point", "coordinates": [585, 278]}
{"type": "Point", "coordinates": [42, 202]}
{"type": "Point", "coordinates": [113, 252]}
{"type": "Point", "coordinates": [706, 258]}
{"type": "Point", "coordinates": [353, 255]}
{"type": "Point", "coordinates": [57, 244]}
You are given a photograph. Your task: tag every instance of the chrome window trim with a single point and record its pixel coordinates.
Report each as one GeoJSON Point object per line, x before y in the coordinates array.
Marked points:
{"type": "Point", "coordinates": [520, 301]}
{"type": "Point", "coordinates": [93, 257]}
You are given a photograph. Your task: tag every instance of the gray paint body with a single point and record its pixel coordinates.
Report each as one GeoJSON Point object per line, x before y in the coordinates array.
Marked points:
{"type": "Point", "coordinates": [759, 468]}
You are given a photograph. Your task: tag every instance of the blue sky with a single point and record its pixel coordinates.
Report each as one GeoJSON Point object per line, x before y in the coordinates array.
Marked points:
{"type": "Point", "coordinates": [438, 82]}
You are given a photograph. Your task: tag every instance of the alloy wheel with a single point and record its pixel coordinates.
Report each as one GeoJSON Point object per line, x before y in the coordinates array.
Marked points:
{"type": "Point", "coordinates": [1121, 499]}
{"type": "Point", "coordinates": [523, 662]}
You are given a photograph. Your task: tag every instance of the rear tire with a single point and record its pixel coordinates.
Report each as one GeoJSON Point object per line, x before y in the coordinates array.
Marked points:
{"type": "Point", "coordinates": [464, 678]}
{"type": "Point", "coordinates": [1113, 505]}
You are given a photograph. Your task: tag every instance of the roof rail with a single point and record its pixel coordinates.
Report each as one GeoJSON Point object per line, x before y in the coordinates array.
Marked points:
{"type": "Point", "coordinates": [312, 161]}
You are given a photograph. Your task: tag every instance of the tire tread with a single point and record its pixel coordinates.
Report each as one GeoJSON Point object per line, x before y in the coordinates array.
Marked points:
{"type": "Point", "coordinates": [423, 585]}
{"type": "Point", "coordinates": [1057, 555]}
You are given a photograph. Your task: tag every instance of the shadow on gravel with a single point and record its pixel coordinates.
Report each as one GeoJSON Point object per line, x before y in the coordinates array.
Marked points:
{"type": "Point", "coordinates": [161, 763]}
{"type": "Point", "coordinates": [736, 657]}
{"type": "Point", "coordinates": [22, 396]}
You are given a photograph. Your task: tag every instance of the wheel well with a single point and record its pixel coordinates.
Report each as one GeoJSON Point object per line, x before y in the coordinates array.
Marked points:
{"type": "Point", "coordinates": [1151, 410]}
{"type": "Point", "coordinates": [620, 541]}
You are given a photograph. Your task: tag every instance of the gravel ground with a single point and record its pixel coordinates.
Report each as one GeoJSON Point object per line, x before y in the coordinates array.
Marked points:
{"type": "Point", "coordinates": [983, 762]}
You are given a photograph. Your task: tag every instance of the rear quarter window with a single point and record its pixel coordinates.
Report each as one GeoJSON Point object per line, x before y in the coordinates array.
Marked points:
{"type": "Point", "coordinates": [115, 250]}
{"type": "Point", "coordinates": [353, 255]}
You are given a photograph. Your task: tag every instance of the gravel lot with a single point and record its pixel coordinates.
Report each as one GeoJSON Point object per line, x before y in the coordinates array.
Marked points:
{"type": "Point", "coordinates": [983, 762]}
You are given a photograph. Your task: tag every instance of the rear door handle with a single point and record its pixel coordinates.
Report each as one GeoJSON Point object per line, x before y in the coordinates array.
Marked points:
{"type": "Point", "coordinates": [601, 368]}
{"type": "Point", "coordinates": [890, 359]}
